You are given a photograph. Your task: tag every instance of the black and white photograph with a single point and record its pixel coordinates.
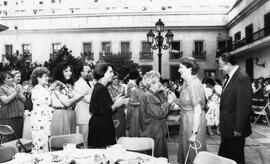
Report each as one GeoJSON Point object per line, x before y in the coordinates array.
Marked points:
{"type": "Point", "coordinates": [134, 81]}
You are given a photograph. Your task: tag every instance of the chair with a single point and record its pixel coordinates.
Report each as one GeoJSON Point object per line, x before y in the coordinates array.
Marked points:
{"type": "Point", "coordinates": [204, 157]}
{"type": "Point", "coordinates": [57, 142]}
{"type": "Point", "coordinates": [139, 144]}
{"type": "Point", "coordinates": [6, 153]}
{"type": "Point", "coordinates": [262, 113]}
{"type": "Point", "coordinates": [8, 130]}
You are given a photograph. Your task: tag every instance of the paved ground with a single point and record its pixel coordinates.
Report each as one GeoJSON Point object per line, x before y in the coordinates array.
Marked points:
{"type": "Point", "coordinates": [257, 149]}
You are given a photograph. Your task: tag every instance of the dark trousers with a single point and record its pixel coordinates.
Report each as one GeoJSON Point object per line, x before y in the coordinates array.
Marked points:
{"type": "Point", "coordinates": [233, 148]}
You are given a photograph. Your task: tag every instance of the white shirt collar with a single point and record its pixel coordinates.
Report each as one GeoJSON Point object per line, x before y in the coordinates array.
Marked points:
{"type": "Point", "coordinates": [233, 71]}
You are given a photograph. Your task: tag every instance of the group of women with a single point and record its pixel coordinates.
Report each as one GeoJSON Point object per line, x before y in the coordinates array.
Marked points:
{"type": "Point", "coordinates": [150, 117]}
{"type": "Point", "coordinates": [53, 104]}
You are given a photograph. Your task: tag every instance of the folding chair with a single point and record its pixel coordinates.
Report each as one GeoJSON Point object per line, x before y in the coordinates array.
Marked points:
{"type": "Point", "coordinates": [6, 153]}
{"type": "Point", "coordinates": [204, 157]}
{"type": "Point", "coordinates": [57, 142]}
{"type": "Point", "coordinates": [262, 113]}
{"type": "Point", "coordinates": [8, 130]}
{"type": "Point", "coordinates": [138, 144]}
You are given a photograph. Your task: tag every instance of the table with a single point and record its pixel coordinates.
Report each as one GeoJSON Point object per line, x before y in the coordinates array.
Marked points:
{"type": "Point", "coordinates": [88, 156]}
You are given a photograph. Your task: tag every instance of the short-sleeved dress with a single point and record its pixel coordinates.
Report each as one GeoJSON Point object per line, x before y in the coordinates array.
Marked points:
{"type": "Point", "coordinates": [191, 94]}
{"type": "Point", "coordinates": [101, 128]}
{"type": "Point", "coordinates": [40, 120]}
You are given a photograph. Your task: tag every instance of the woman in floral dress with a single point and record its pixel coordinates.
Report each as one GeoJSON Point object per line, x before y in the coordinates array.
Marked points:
{"type": "Point", "coordinates": [41, 114]}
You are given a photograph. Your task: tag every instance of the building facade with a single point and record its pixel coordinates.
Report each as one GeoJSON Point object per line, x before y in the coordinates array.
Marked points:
{"type": "Point", "coordinates": [249, 30]}
{"type": "Point", "coordinates": [95, 28]}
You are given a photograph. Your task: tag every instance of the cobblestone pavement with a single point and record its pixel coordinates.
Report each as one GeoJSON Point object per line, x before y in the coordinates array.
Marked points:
{"type": "Point", "coordinates": [257, 149]}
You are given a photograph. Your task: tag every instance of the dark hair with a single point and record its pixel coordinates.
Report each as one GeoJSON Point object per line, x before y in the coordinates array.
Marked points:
{"type": "Point", "coordinates": [134, 74]}
{"type": "Point", "coordinates": [58, 73]}
{"type": "Point", "coordinates": [138, 81]}
{"type": "Point", "coordinates": [210, 82]}
{"type": "Point", "coordinates": [228, 58]}
{"type": "Point", "coordinates": [4, 75]}
{"type": "Point", "coordinates": [100, 69]}
{"type": "Point", "coordinates": [38, 72]}
{"type": "Point", "coordinates": [190, 63]}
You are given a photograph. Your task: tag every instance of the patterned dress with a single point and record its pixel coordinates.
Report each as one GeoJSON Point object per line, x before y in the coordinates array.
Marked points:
{"type": "Point", "coordinates": [212, 115]}
{"type": "Point", "coordinates": [41, 117]}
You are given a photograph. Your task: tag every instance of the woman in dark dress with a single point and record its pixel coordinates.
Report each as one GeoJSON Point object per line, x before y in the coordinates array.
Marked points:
{"type": "Point", "coordinates": [101, 127]}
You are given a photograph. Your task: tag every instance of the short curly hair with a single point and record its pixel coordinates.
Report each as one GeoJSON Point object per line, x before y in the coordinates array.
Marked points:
{"type": "Point", "coordinates": [149, 77]}
{"type": "Point", "coordinates": [38, 72]}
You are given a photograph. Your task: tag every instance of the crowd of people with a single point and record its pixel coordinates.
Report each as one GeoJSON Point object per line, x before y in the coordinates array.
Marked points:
{"type": "Point", "coordinates": [103, 108]}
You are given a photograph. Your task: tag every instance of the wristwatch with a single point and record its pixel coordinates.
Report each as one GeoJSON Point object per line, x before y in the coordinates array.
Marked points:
{"type": "Point", "coordinates": [194, 132]}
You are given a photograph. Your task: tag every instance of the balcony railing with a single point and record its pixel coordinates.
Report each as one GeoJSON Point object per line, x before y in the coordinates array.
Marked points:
{"type": "Point", "coordinates": [175, 55]}
{"type": "Point", "coordinates": [87, 55]}
{"type": "Point", "coordinates": [250, 39]}
{"type": "Point", "coordinates": [199, 55]}
{"type": "Point", "coordinates": [146, 56]}
{"type": "Point", "coordinates": [103, 54]}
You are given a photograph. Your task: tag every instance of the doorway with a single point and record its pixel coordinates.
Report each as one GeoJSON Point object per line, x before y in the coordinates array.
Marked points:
{"type": "Point", "coordinates": [250, 67]}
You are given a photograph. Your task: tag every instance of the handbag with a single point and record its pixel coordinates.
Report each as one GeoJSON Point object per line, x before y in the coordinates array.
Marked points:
{"type": "Point", "coordinates": [195, 147]}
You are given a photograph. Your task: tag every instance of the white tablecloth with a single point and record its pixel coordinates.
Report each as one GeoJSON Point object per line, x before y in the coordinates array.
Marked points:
{"type": "Point", "coordinates": [87, 156]}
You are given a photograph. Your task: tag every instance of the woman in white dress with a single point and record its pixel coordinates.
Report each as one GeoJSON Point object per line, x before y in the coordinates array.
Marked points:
{"type": "Point", "coordinates": [41, 114]}
{"type": "Point", "coordinates": [213, 92]}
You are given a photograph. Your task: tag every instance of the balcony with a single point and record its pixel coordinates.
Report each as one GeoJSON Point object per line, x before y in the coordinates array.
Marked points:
{"type": "Point", "coordinates": [258, 35]}
{"type": "Point", "coordinates": [146, 56]}
{"type": "Point", "coordinates": [199, 55]}
{"type": "Point", "coordinates": [129, 54]}
{"type": "Point", "coordinates": [87, 56]}
{"type": "Point", "coordinates": [174, 55]}
{"type": "Point", "coordinates": [103, 54]}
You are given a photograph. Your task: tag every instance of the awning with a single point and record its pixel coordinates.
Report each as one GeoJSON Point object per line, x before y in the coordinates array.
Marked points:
{"type": "Point", "coordinates": [3, 28]}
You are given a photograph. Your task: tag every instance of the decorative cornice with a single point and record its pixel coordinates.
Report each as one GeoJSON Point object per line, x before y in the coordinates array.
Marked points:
{"type": "Point", "coordinates": [159, 13]}
{"type": "Point", "coordinates": [116, 29]}
{"type": "Point", "coordinates": [245, 12]}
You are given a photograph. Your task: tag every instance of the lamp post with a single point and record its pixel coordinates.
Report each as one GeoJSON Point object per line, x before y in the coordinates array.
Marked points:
{"type": "Point", "coordinates": [156, 42]}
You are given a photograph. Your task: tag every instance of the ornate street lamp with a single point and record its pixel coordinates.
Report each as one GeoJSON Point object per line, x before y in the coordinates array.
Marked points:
{"type": "Point", "coordinates": [157, 42]}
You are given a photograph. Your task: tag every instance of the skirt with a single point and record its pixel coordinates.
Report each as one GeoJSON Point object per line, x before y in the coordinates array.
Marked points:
{"type": "Point", "coordinates": [63, 122]}
{"type": "Point", "coordinates": [185, 130]}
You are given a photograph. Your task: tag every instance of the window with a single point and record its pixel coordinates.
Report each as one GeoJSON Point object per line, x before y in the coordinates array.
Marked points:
{"type": "Point", "coordinates": [106, 47]}
{"type": "Point", "coordinates": [5, 3]}
{"type": "Point", "coordinates": [146, 68]}
{"type": "Point", "coordinates": [175, 50]}
{"type": "Point", "coordinates": [237, 36]}
{"type": "Point", "coordinates": [125, 48]}
{"type": "Point", "coordinates": [267, 23]}
{"type": "Point", "coordinates": [198, 47]}
{"type": "Point", "coordinates": [87, 48]}
{"type": "Point", "coordinates": [56, 47]}
{"type": "Point", "coordinates": [146, 47]}
{"type": "Point", "coordinates": [8, 49]}
{"type": "Point", "coordinates": [146, 53]}
{"type": "Point", "coordinates": [53, 1]}
{"type": "Point", "coordinates": [249, 33]}
{"type": "Point", "coordinates": [26, 48]}
{"type": "Point", "coordinates": [40, 2]}
{"type": "Point", "coordinates": [199, 52]}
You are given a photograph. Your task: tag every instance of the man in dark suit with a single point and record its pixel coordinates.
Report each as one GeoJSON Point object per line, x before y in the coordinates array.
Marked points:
{"type": "Point", "coordinates": [235, 109]}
